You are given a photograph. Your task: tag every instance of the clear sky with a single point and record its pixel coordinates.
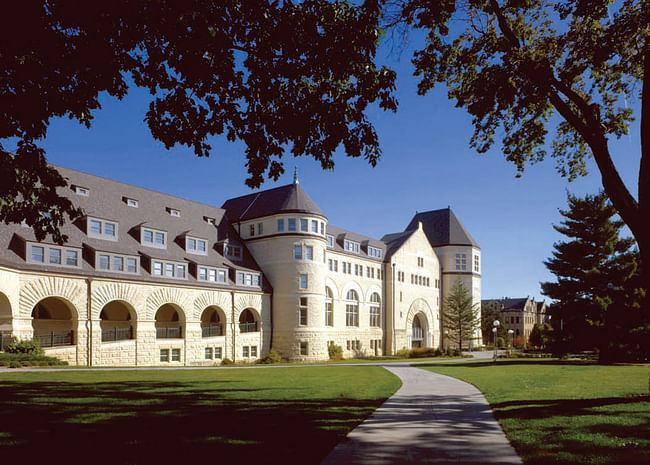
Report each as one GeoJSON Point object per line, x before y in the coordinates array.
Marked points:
{"type": "Point", "coordinates": [426, 165]}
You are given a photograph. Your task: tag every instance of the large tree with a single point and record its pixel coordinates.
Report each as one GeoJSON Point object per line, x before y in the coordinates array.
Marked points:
{"type": "Point", "coordinates": [459, 315]}
{"type": "Point", "coordinates": [522, 67]}
{"type": "Point", "coordinates": [595, 270]}
{"type": "Point", "coordinates": [277, 75]}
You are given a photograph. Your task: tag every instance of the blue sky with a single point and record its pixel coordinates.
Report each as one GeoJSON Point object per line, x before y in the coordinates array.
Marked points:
{"type": "Point", "coordinates": [426, 165]}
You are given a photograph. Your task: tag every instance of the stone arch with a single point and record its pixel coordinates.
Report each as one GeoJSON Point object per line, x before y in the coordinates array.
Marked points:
{"type": "Point", "coordinates": [352, 285]}
{"type": "Point", "coordinates": [332, 285]}
{"type": "Point", "coordinates": [249, 320]}
{"type": "Point", "coordinates": [211, 298]}
{"type": "Point", "coordinates": [35, 291]}
{"type": "Point", "coordinates": [54, 321]}
{"type": "Point", "coordinates": [6, 315]}
{"type": "Point", "coordinates": [166, 295]}
{"type": "Point", "coordinates": [422, 310]}
{"type": "Point", "coordinates": [105, 293]}
{"type": "Point", "coordinates": [213, 321]}
{"type": "Point", "coordinates": [118, 321]}
{"type": "Point", "coordinates": [244, 301]}
{"type": "Point", "coordinates": [372, 289]}
{"type": "Point", "coordinates": [170, 320]}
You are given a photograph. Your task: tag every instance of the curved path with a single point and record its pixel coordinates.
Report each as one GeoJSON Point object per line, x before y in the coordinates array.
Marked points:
{"type": "Point", "coordinates": [432, 418]}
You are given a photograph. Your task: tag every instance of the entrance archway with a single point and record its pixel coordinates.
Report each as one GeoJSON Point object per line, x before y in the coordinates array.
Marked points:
{"type": "Point", "coordinates": [419, 330]}
{"type": "Point", "coordinates": [117, 321]}
{"type": "Point", "coordinates": [6, 318]}
{"type": "Point", "coordinates": [54, 320]}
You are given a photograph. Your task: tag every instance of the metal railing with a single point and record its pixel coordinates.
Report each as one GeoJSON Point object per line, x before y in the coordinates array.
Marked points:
{"type": "Point", "coordinates": [210, 331]}
{"type": "Point", "coordinates": [56, 339]}
{"type": "Point", "coordinates": [169, 333]}
{"type": "Point", "coordinates": [117, 334]}
{"type": "Point", "coordinates": [5, 339]}
{"type": "Point", "coordinates": [248, 327]}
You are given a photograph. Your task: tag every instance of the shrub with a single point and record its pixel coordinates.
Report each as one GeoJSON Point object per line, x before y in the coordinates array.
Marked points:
{"type": "Point", "coordinates": [226, 361]}
{"type": "Point", "coordinates": [335, 352]}
{"type": "Point", "coordinates": [421, 352]}
{"type": "Point", "coordinates": [403, 353]}
{"type": "Point", "coordinates": [272, 356]}
{"type": "Point", "coordinates": [501, 343]}
{"type": "Point", "coordinates": [15, 364]}
{"type": "Point", "coordinates": [32, 347]}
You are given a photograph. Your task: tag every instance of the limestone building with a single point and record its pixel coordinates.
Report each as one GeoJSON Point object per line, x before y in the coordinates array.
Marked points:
{"type": "Point", "coordinates": [150, 279]}
{"type": "Point", "coordinates": [519, 314]}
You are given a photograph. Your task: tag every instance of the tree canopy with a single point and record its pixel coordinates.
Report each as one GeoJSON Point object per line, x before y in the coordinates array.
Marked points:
{"type": "Point", "coordinates": [276, 75]}
{"type": "Point", "coordinates": [527, 68]}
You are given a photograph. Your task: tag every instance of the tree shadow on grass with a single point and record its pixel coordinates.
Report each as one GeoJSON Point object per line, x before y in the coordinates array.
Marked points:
{"type": "Point", "coordinates": [165, 422]}
{"type": "Point", "coordinates": [501, 362]}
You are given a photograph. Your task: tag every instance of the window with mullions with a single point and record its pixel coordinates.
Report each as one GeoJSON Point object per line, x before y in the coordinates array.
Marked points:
{"type": "Point", "coordinates": [375, 310]}
{"type": "Point", "coordinates": [352, 309]}
{"type": "Point", "coordinates": [329, 307]}
{"type": "Point", "coordinates": [153, 238]}
{"type": "Point", "coordinates": [302, 310]}
{"type": "Point", "coordinates": [351, 246]}
{"type": "Point", "coordinates": [303, 224]}
{"type": "Point", "coordinates": [461, 261]}
{"type": "Point", "coordinates": [291, 224]}
{"type": "Point", "coordinates": [102, 229]}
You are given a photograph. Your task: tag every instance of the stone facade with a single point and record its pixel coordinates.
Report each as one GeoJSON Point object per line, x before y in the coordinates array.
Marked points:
{"type": "Point", "coordinates": [291, 281]}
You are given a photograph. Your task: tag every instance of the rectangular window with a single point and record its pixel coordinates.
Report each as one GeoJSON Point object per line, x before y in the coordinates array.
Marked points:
{"type": "Point", "coordinates": [109, 229]}
{"type": "Point", "coordinates": [37, 254]}
{"type": "Point", "coordinates": [55, 256]}
{"type": "Point", "coordinates": [351, 246]}
{"type": "Point", "coordinates": [176, 355]}
{"type": "Point", "coordinates": [71, 257]}
{"type": "Point", "coordinates": [303, 311]}
{"type": "Point", "coordinates": [233, 251]}
{"type": "Point", "coordinates": [191, 244]}
{"type": "Point", "coordinates": [174, 212]}
{"type": "Point", "coordinates": [303, 224]}
{"type": "Point", "coordinates": [314, 226]}
{"type": "Point", "coordinates": [374, 252]}
{"type": "Point", "coordinates": [254, 351]}
{"type": "Point", "coordinates": [251, 230]}
{"type": "Point", "coordinates": [309, 252]}
{"type": "Point", "coordinates": [164, 355]}
{"type": "Point", "coordinates": [132, 203]}
{"type": "Point", "coordinates": [292, 224]}
{"type": "Point", "coordinates": [159, 238]}
{"type": "Point", "coordinates": [260, 228]}
{"type": "Point", "coordinates": [303, 281]}
{"type": "Point", "coordinates": [103, 262]}
{"type": "Point", "coordinates": [208, 353]}
{"type": "Point", "coordinates": [461, 261]}
{"type": "Point", "coordinates": [330, 265]}
{"type": "Point", "coordinates": [476, 263]}
{"type": "Point", "coordinates": [96, 227]}
{"type": "Point", "coordinates": [169, 270]}
{"type": "Point", "coordinates": [147, 236]}
{"type": "Point", "coordinates": [244, 351]}
{"type": "Point", "coordinates": [248, 279]}
{"type": "Point", "coordinates": [217, 352]}
{"type": "Point", "coordinates": [304, 348]}
{"type": "Point", "coordinates": [221, 276]}
{"type": "Point", "coordinates": [212, 275]}
{"type": "Point", "coordinates": [201, 245]}
{"type": "Point", "coordinates": [330, 241]}
{"type": "Point", "coordinates": [131, 265]}
{"type": "Point", "coordinates": [280, 225]}
{"type": "Point", "coordinates": [81, 191]}
{"type": "Point", "coordinates": [297, 252]}
{"type": "Point", "coordinates": [322, 228]}
{"type": "Point", "coordinates": [336, 265]}
{"type": "Point", "coordinates": [180, 271]}
{"type": "Point", "coordinates": [157, 268]}
{"type": "Point", "coordinates": [118, 264]}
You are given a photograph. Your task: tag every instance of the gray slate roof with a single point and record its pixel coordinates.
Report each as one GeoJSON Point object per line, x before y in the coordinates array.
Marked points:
{"type": "Point", "coordinates": [395, 240]}
{"type": "Point", "coordinates": [442, 227]}
{"type": "Point", "coordinates": [106, 201]}
{"type": "Point", "coordinates": [340, 235]}
{"type": "Point", "coordinates": [286, 199]}
{"type": "Point", "coordinates": [509, 304]}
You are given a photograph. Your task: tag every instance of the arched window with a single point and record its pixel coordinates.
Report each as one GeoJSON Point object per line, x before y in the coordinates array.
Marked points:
{"type": "Point", "coordinates": [169, 324]}
{"type": "Point", "coordinates": [352, 309]}
{"type": "Point", "coordinates": [212, 322]}
{"type": "Point", "coordinates": [375, 310]}
{"type": "Point", "coordinates": [329, 304]}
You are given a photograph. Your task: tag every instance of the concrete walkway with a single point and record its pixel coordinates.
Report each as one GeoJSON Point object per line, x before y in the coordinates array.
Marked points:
{"type": "Point", "coordinates": [431, 419]}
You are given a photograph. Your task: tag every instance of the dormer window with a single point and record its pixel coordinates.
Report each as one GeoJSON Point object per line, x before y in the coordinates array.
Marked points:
{"type": "Point", "coordinates": [130, 202]}
{"type": "Point", "coordinates": [102, 229]}
{"type": "Point", "coordinates": [196, 245]}
{"type": "Point", "coordinates": [233, 252]}
{"type": "Point", "coordinates": [153, 238]}
{"type": "Point", "coordinates": [82, 191]}
{"type": "Point", "coordinates": [330, 241]}
{"type": "Point", "coordinates": [210, 220]}
{"type": "Point", "coordinates": [174, 212]}
{"type": "Point", "coordinates": [351, 246]}
{"type": "Point", "coordinates": [374, 252]}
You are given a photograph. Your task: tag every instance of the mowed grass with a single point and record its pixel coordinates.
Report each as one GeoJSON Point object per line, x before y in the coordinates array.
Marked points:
{"type": "Point", "coordinates": [556, 412]}
{"type": "Point", "coordinates": [265, 415]}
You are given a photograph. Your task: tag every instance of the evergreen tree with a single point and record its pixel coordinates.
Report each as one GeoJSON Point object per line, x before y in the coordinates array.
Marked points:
{"type": "Point", "coordinates": [459, 315]}
{"type": "Point", "coordinates": [592, 270]}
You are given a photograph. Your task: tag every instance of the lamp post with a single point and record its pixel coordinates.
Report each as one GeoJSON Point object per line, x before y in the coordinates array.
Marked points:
{"type": "Point", "coordinates": [494, 332]}
{"type": "Point", "coordinates": [510, 342]}
{"type": "Point", "coordinates": [446, 345]}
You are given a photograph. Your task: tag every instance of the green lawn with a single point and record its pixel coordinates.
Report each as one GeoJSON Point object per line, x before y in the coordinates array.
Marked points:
{"type": "Point", "coordinates": [556, 412]}
{"type": "Point", "coordinates": [265, 415]}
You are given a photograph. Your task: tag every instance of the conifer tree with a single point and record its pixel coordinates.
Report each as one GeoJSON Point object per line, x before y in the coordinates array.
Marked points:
{"type": "Point", "coordinates": [592, 268]}
{"type": "Point", "coordinates": [459, 315]}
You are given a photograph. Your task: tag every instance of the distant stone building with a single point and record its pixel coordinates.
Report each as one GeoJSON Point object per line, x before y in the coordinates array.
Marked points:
{"type": "Point", "coordinates": [519, 314]}
{"type": "Point", "coordinates": [150, 279]}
